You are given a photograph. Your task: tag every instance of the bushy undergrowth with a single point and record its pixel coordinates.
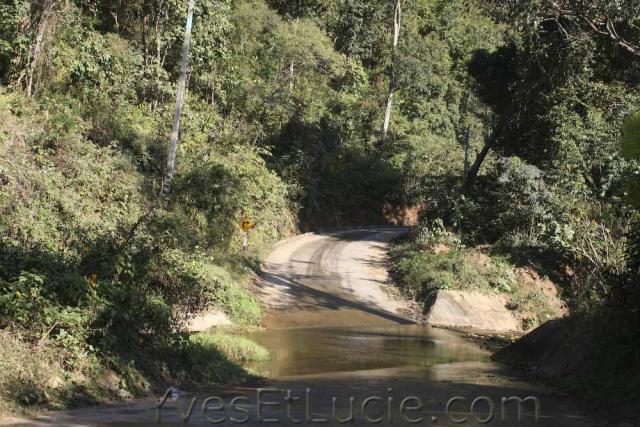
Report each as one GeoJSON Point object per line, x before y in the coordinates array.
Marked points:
{"type": "Point", "coordinates": [282, 121]}
{"type": "Point", "coordinates": [98, 273]}
{"type": "Point", "coordinates": [424, 272]}
{"type": "Point", "coordinates": [580, 241]}
{"type": "Point", "coordinates": [587, 244]}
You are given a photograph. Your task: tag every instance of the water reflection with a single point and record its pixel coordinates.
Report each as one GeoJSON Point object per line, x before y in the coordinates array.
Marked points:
{"type": "Point", "coordinates": [307, 351]}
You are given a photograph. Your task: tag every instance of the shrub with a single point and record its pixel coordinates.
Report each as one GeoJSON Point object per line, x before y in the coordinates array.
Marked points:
{"type": "Point", "coordinates": [92, 264]}
{"type": "Point", "coordinates": [28, 375]}
{"type": "Point", "coordinates": [594, 240]}
{"type": "Point", "coordinates": [39, 375]}
{"type": "Point", "coordinates": [29, 301]}
{"type": "Point", "coordinates": [522, 203]}
{"type": "Point", "coordinates": [437, 234]}
{"type": "Point", "coordinates": [131, 320]}
{"type": "Point", "coordinates": [513, 204]}
{"type": "Point", "coordinates": [184, 280]}
{"type": "Point", "coordinates": [425, 272]}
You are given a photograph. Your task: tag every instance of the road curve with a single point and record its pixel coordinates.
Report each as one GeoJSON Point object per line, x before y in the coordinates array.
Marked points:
{"type": "Point", "coordinates": [331, 279]}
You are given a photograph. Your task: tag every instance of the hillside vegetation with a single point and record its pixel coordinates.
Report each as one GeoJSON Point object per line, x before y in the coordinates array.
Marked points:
{"type": "Point", "coordinates": [505, 124]}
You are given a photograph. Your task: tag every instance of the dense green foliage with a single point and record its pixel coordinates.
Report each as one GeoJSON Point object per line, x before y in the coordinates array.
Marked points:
{"type": "Point", "coordinates": [563, 91]}
{"type": "Point", "coordinates": [507, 125]}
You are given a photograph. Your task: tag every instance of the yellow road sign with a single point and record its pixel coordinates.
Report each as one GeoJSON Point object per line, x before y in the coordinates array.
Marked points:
{"type": "Point", "coordinates": [247, 224]}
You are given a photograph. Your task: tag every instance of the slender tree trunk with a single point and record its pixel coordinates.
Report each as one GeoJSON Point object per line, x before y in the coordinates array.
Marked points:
{"type": "Point", "coordinates": [173, 142]}
{"type": "Point", "coordinates": [145, 40]}
{"type": "Point", "coordinates": [146, 11]}
{"type": "Point", "coordinates": [291, 74]}
{"type": "Point", "coordinates": [397, 21]}
{"type": "Point", "coordinates": [159, 28]}
{"type": "Point", "coordinates": [387, 113]}
{"type": "Point", "coordinates": [114, 15]}
{"type": "Point", "coordinates": [477, 164]}
{"type": "Point", "coordinates": [159, 17]}
{"type": "Point", "coordinates": [292, 63]}
{"type": "Point", "coordinates": [475, 169]}
{"type": "Point", "coordinates": [467, 149]}
{"type": "Point", "coordinates": [38, 44]}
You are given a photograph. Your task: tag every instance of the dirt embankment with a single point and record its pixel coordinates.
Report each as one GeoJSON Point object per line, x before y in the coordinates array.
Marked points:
{"type": "Point", "coordinates": [550, 351]}
{"type": "Point", "coordinates": [583, 360]}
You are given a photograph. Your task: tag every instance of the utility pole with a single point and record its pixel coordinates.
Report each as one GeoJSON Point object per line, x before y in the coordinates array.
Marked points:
{"type": "Point", "coordinates": [175, 131]}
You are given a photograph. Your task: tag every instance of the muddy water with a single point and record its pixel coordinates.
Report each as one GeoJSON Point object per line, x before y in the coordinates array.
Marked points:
{"type": "Point", "coordinates": [326, 365]}
{"type": "Point", "coordinates": [307, 351]}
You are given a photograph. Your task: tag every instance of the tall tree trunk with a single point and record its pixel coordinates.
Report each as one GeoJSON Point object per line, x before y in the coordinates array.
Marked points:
{"type": "Point", "coordinates": [146, 11]}
{"type": "Point", "coordinates": [173, 142]}
{"type": "Point", "coordinates": [397, 21]}
{"type": "Point", "coordinates": [38, 44]}
{"type": "Point", "coordinates": [159, 18]}
{"type": "Point", "coordinates": [387, 113]}
{"type": "Point", "coordinates": [292, 63]}
{"type": "Point", "coordinates": [480, 158]}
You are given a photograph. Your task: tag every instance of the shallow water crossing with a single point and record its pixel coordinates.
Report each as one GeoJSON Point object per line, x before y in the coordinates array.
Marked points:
{"type": "Point", "coordinates": [307, 351]}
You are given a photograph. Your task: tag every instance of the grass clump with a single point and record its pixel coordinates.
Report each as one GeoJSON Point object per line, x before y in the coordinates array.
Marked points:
{"type": "Point", "coordinates": [236, 348]}
{"type": "Point", "coordinates": [423, 272]}
{"type": "Point", "coordinates": [219, 358]}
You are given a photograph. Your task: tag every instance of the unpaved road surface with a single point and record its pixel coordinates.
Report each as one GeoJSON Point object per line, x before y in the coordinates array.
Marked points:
{"type": "Point", "coordinates": [334, 279]}
{"type": "Point", "coordinates": [337, 335]}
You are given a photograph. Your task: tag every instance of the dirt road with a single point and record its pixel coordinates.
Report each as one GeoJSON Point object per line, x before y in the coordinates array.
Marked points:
{"type": "Point", "coordinates": [338, 340]}
{"type": "Point", "coordinates": [333, 279]}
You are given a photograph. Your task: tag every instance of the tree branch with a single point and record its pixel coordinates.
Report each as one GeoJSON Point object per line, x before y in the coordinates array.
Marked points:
{"type": "Point", "coordinates": [556, 10]}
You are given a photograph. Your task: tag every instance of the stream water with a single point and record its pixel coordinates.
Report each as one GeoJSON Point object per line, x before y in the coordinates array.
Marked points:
{"type": "Point", "coordinates": [306, 351]}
